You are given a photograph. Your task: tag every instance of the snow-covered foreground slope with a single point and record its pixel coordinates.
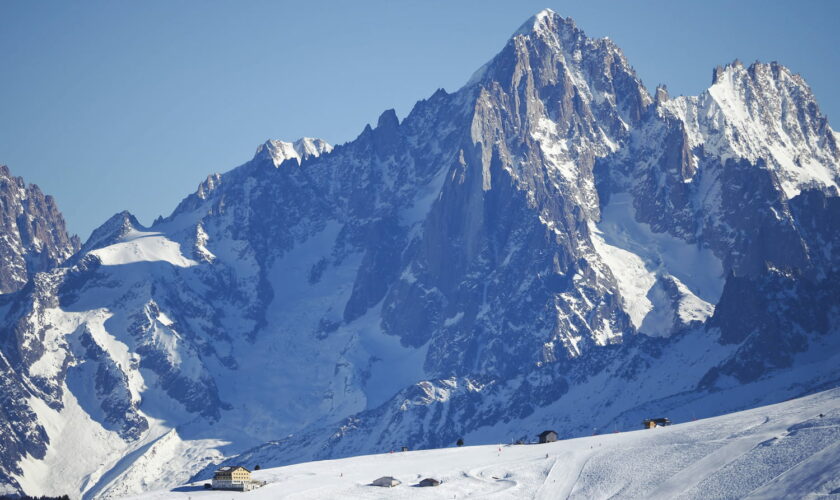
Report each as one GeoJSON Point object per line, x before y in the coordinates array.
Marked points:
{"type": "Point", "coordinates": [787, 450]}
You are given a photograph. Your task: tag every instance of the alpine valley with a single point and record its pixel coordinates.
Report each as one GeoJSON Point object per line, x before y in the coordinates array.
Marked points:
{"type": "Point", "coordinates": [551, 246]}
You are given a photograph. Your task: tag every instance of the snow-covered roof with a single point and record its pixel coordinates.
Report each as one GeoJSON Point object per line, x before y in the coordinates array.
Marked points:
{"type": "Point", "coordinates": [230, 468]}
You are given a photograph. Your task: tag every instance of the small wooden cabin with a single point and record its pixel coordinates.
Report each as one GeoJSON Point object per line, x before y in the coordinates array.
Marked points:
{"type": "Point", "coordinates": [548, 436]}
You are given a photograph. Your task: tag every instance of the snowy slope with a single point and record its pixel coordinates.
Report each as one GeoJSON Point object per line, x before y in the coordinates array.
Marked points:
{"type": "Point", "coordinates": [784, 450]}
{"type": "Point", "coordinates": [142, 246]}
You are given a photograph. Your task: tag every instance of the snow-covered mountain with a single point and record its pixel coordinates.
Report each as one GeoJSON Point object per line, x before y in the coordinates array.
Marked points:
{"type": "Point", "coordinates": [300, 150]}
{"type": "Point", "coordinates": [32, 233]}
{"type": "Point", "coordinates": [549, 246]}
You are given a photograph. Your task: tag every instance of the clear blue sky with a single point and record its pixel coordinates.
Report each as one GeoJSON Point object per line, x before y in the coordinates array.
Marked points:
{"type": "Point", "coordinates": [128, 105]}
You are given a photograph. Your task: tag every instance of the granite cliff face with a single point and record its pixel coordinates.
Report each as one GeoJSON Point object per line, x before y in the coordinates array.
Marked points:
{"type": "Point", "coordinates": [549, 246]}
{"type": "Point", "coordinates": [34, 237]}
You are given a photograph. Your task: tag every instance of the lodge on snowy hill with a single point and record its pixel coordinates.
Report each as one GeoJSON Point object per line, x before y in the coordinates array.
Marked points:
{"type": "Point", "coordinates": [548, 436]}
{"type": "Point", "coordinates": [234, 477]}
{"type": "Point", "coordinates": [650, 423]}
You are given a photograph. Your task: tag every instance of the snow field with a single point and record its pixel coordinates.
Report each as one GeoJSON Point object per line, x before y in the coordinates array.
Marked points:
{"type": "Point", "coordinates": [138, 246]}
{"type": "Point", "coordinates": [783, 450]}
{"type": "Point", "coordinates": [637, 256]}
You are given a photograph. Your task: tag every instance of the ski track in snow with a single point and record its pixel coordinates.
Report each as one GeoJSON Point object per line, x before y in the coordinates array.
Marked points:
{"type": "Point", "coordinates": [690, 460]}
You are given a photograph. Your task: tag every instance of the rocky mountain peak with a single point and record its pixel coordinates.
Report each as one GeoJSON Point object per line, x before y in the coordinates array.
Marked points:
{"type": "Point", "coordinates": [280, 151]}
{"type": "Point", "coordinates": [111, 231]}
{"type": "Point", "coordinates": [769, 77]}
{"type": "Point", "coordinates": [34, 234]}
{"type": "Point", "coordinates": [309, 146]}
{"type": "Point", "coordinates": [558, 34]}
{"type": "Point", "coordinates": [208, 185]}
{"type": "Point", "coordinates": [544, 22]}
{"type": "Point", "coordinates": [589, 76]}
{"type": "Point", "coordinates": [661, 95]}
{"type": "Point", "coordinates": [763, 112]}
{"type": "Point", "coordinates": [388, 119]}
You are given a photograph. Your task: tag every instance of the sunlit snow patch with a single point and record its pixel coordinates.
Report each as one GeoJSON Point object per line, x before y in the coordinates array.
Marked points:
{"type": "Point", "coordinates": [139, 246]}
{"type": "Point", "coordinates": [639, 259]}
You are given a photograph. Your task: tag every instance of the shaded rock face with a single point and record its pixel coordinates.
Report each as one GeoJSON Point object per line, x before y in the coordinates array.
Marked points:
{"type": "Point", "coordinates": [508, 233]}
{"type": "Point", "coordinates": [547, 247]}
{"type": "Point", "coordinates": [34, 236]}
{"type": "Point", "coordinates": [523, 312]}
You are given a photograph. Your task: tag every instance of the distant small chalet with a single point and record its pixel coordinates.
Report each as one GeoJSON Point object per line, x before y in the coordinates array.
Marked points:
{"type": "Point", "coordinates": [548, 436]}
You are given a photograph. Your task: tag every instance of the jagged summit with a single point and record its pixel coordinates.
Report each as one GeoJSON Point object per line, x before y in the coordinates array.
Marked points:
{"type": "Point", "coordinates": [558, 55]}
{"type": "Point", "coordinates": [33, 236]}
{"type": "Point", "coordinates": [308, 146]}
{"type": "Point", "coordinates": [544, 25]}
{"type": "Point", "coordinates": [208, 185]}
{"type": "Point", "coordinates": [388, 119]}
{"type": "Point", "coordinates": [758, 69]}
{"type": "Point", "coordinates": [558, 32]}
{"type": "Point", "coordinates": [767, 114]}
{"type": "Point", "coordinates": [544, 20]}
{"type": "Point", "coordinates": [299, 150]}
{"type": "Point", "coordinates": [661, 94]}
{"type": "Point", "coordinates": [111, 231]}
